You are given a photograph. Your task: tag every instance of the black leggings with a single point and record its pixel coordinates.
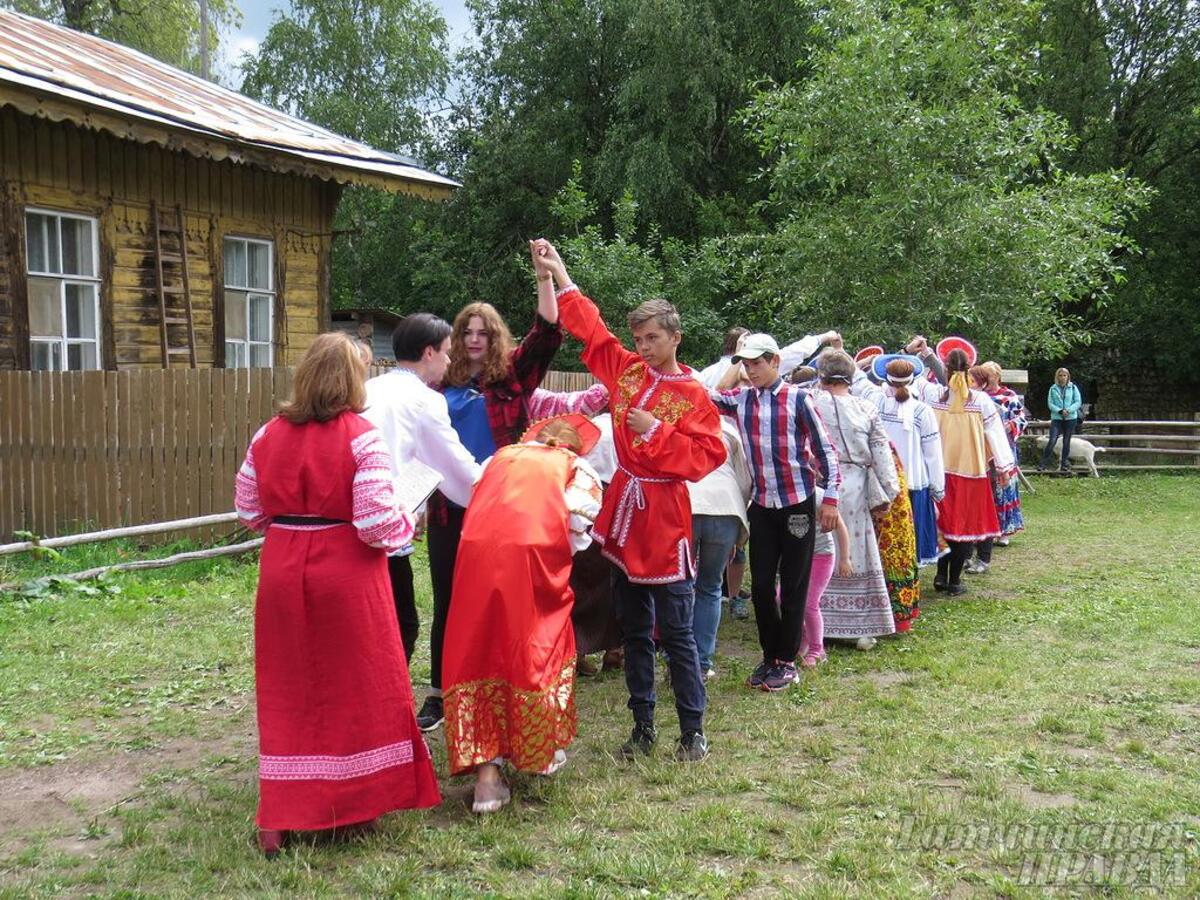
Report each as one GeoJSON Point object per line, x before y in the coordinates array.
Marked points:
{"type": "Point", "coordinates": [983, 549]}
{"type": "Point", "coordinates": [951, 564]}
{"type": "Point", "coordinates": [443, 550]}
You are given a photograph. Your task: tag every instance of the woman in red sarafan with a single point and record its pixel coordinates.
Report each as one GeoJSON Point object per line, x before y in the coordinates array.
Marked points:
{"type": "Point", "coordinates": [509, 654]}
{"type": "Point", "coordinates": [338, 741]}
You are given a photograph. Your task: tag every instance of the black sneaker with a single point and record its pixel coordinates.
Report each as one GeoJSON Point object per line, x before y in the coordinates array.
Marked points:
{"type": "Point", "coordinates": [432, 714]}
{"type": "Point", "coordinates": [760, 672]}
{"type": "Point", "coordinates": [640, 741]}
{"type": "Point", "coordinates": [956, 590]}
{"type": "Point", "coordinates": [692, 747]}
{"type": "Point", "coordinates": [939, 585]}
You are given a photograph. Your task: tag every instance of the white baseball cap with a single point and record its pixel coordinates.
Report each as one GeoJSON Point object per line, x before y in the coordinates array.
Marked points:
{"type": "Point", "coordinates": [754, 346]}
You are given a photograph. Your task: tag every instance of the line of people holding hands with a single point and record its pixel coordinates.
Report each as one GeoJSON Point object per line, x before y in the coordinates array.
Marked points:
{"type": "Point", "coordinates": [846, 476]}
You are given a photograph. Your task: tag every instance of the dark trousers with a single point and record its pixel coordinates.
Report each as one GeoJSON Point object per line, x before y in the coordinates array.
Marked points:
{"type": "Point", "coordinates": [983, 549]}
{"type": "Point", "coordinates": [950, 565]}
{"type": "Point", "coordinates": [443, 550]}
{"type": "Point", "coordinates": [401, 575]}
{"type": "Point", "coordinates": [639, 608]}
{"type": "Point", "coordinates": [1066, 428]}
{"type": "Point", "coordinates": [781, 544]}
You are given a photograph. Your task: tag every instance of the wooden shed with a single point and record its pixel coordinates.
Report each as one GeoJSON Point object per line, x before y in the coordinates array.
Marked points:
{"type": "Point", "coordinates": [149, 218]}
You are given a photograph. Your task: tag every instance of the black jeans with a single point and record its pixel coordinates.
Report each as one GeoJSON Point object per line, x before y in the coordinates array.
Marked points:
{"type": "Point", "coordinates": [639, 608]}
{"type": "Point", "coordinates": [950, 565]}
{"type": "Point", "coordinates": [781, 544]}
{"type": "Point", "coordinates": [443, 550]}
{"type": "Point", "coordinates": [401, 575]}
{"type": "Point", "coordinates": [1065, 427]}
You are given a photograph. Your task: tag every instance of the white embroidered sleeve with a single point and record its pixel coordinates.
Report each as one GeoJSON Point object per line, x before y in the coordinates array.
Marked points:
{"type": "Point", "coordinates": [245, 497]}
{"type": "Point", "coordinates": [881, 457]}
{"type": "Point", "coordinates": [583, 495]}
{"type": "Point", "coordinates": [378, 516]}
{"type": "Point", "coordinates": [993, 430]}
{"type": "Point", "coordinates": [931, 450]}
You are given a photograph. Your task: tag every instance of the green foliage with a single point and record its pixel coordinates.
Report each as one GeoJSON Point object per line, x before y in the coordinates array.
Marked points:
{"type": "Point", "coordinates": [913, 191]}
{"type": "Point", "coordinates": [363, 68]}
{"type": "Point", "coordinates": [1126, 75]}
{"type": "Point", "coordinates": [165, 29]}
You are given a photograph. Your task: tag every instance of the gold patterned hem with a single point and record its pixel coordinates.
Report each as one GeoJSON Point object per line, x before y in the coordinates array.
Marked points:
{"type": "Point", "coordinates": [490, 718]}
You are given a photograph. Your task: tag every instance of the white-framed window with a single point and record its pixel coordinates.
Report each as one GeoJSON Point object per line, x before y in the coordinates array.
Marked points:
{"type": "Point", "coordinates": [62, 275]}
{"type": "Point", "coordinates": [249, 302]}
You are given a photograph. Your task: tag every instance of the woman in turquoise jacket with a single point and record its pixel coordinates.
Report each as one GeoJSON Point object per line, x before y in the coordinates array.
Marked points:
{"type": "Point", "coordinates": [1064, 401]}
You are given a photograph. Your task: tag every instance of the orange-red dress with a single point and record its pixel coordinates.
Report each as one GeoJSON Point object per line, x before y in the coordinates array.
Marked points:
{"type": "Point", "coordinates": [508, 665]}
{"type": "Point", "coordinates": [645, 526]}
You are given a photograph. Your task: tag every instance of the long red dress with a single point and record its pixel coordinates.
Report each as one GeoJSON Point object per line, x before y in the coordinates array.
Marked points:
{"type": "Point", "coordinates": [338, 739]}
{"type": "Point", "coordinates": [509, 659]}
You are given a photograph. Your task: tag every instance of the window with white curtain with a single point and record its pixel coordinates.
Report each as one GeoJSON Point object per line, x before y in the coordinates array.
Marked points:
{"type": "Point", "coordinates": [249, 302]}
{"type": "Point", "coordinates": [63, 280]}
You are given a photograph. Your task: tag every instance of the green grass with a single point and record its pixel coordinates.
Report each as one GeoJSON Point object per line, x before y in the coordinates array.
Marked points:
{"type": "Point", "coordinates": [1064, 690]}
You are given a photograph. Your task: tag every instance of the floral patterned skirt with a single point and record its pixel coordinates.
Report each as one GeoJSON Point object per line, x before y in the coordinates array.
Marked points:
{"type": "Point", "coordinates": [898, 552]}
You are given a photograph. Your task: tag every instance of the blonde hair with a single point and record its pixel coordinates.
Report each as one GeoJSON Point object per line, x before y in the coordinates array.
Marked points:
{"type": "Point", "coordinates": [557, 433]}
{"type": "Point", "coordinates": [994, 372]}
{"type": "Point", "coordinates": [329, 380]}
{"type": "Point", "coordinates": [1063, 371]}
{"type": "Point", "coordinates": [957, 364]}
{"type": "Point", "coordinates": [499, 350]}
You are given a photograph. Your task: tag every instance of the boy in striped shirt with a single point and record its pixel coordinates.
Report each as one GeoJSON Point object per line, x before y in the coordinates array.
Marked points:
{"type": "Point", "coordinates": [784, 441]}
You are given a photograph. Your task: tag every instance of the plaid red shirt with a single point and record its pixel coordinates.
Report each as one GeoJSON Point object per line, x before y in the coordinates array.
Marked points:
{"type": "Point", "coordinates": [506, 401]}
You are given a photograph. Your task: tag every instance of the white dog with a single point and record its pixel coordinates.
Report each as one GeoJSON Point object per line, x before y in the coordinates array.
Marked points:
{"type": "Point", "coordinates": [1081, 449]}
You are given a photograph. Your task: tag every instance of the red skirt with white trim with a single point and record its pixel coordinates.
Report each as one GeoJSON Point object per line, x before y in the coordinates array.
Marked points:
{"type": "Point", "coordinates": [338, 739]}
{"type": "Point", "coordinates": [967, 512]}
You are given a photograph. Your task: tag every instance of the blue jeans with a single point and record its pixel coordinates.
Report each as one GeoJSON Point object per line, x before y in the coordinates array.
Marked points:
{"type": "Point", "coordinates": [1066, 428]}
{"type": "Point", "coordinates": [639, 608]}
{"type": "Point", "coordinates": [713, 538]}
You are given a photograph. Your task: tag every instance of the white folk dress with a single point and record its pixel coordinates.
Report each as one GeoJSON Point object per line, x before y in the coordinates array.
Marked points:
{"type": "Point", "coordinates": [858, 605]}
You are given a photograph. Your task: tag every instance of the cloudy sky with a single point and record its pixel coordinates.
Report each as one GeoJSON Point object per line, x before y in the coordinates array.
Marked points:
{"type": "Point", "coordinates": [258, 14]}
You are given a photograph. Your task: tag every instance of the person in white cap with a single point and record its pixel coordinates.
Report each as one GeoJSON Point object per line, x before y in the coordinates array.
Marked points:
{"type": "Point", "coordinates": [784, 443]}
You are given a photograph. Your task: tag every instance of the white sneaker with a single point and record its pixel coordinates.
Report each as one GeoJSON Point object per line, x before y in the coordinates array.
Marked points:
{"type": "Point", "coordinates": [865, 643]}
{"type": "Point", "coordinates": [710, 674]}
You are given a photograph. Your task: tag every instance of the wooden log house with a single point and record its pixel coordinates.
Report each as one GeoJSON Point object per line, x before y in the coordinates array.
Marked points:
{"type": "Point", "coordinates": [149, 218]}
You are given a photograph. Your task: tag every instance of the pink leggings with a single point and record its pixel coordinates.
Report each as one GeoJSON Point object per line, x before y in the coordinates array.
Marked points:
{"type": "Point", "coordinates": [812, 637]}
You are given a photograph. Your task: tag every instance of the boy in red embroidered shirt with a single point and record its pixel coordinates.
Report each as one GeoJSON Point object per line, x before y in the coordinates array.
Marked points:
{"type": "Point", "coordinates": [666, 432]}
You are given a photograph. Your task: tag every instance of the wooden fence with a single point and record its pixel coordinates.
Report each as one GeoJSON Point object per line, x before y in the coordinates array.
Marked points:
{"type": "Point", "coordinates": [108, 449]}
{"type": "Point", "coordinates": [1134, 444]}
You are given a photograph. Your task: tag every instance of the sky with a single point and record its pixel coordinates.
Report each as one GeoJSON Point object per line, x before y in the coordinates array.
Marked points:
{"type": "Point", "coordinates": [257, 16]}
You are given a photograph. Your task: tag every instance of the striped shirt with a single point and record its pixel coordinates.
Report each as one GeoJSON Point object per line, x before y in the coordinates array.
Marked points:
{"type": "Point", "coordinates": [785, 442]}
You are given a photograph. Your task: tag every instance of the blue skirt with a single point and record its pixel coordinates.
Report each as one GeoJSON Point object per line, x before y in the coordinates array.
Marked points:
{"type": "Point", "coordinates": [925, 523]}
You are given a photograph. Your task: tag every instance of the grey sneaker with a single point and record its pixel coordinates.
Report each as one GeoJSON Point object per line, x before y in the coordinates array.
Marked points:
{"type": "Point", "coordinates": [779, 677]}
{"type": "Point", "coordinates": [760, 672]}
{"type": "Point", "coordinates": [692, 747]}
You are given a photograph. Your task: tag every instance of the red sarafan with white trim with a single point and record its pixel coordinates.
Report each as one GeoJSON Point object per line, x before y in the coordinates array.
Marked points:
{"type": "Point", "coordinates": [338, 739]}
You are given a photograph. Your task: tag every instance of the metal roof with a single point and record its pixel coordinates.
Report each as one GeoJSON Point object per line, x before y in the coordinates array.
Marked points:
{"type": "Point", "coordinates": [49, 70]}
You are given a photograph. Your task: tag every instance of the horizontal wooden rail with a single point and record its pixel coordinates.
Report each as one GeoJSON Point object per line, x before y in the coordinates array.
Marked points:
{"type": "Point", "coordinates": [140, 564]}
{"type": "Point", "coordinates": [1169, 451]}
{"type": "Point", "coordinates": [92, 537]}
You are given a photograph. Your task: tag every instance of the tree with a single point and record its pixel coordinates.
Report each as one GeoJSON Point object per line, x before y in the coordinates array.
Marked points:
{"type": "Point", "coordinates": [1126, 76]}
{"type": "Point", "coordinates": [368, 69]}
{"type": "Point", "coordinates": [168, 30]}
{"type": "Point", "coordinates": [911, 190]}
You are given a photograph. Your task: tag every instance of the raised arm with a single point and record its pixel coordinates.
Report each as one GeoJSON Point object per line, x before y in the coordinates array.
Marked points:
{"type": "Point", "coordinates": [602, 351]}
{"type": "Point", "coordinates": [543, 404]}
